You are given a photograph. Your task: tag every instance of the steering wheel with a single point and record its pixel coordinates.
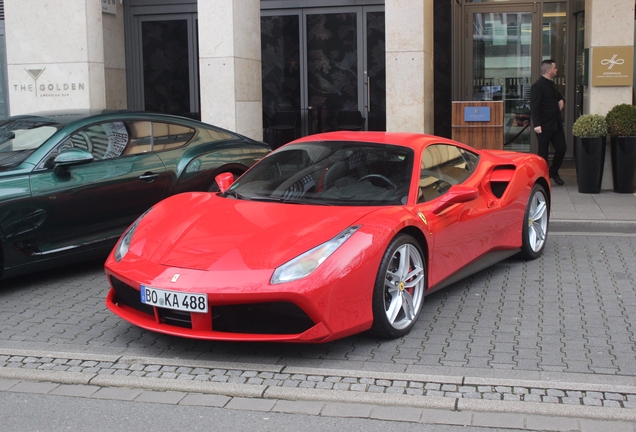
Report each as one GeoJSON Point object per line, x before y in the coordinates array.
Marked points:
{"type": "Point", "coordinates": [381, 177]}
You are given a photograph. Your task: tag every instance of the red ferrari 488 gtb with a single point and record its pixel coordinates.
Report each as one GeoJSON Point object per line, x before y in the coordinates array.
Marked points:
{"type": "Point", "coordinates": [328, 236]}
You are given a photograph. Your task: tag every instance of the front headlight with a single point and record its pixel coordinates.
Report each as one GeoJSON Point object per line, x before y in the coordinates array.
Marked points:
{"type": "Point", "coordinates": [305, 264]}
{"type": "Point", "coordinates": [124, 242]}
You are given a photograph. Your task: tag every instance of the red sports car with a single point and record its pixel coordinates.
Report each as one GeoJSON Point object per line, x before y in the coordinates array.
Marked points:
{"type": "Point", "coordinates": [328, 236]}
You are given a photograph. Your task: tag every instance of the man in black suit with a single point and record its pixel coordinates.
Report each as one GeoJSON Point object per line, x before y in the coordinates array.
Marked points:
{"type": "Point", "coordinates": [546, 104]}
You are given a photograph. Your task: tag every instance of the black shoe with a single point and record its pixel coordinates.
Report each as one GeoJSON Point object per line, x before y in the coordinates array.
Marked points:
{"type": "Point", "coordinates": [557, 179]}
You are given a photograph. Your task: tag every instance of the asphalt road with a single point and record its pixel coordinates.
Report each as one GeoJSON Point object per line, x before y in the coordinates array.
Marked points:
{"type": "Point", "coordinates": [571, 311]}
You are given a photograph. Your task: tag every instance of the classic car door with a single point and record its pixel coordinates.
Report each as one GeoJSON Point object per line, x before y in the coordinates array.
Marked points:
{"type": "Point", "coordinates": [95, 202]}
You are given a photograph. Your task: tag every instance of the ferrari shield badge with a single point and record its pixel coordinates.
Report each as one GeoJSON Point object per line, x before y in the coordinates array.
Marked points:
{"type": "Point", "coordinates": [421, 215]}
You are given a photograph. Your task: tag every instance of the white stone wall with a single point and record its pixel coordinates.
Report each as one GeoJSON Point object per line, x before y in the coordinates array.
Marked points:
{"type": "Point", "coordinates": [55, 55]}
{"type": "Point", "coordinates": [230, 65]}
{"type": "Point", "coordinates": [608, 23]}
{"type": "Point", "coordinates": [409, 65]}
{"type": "Point", "coordinates": [115, 58]}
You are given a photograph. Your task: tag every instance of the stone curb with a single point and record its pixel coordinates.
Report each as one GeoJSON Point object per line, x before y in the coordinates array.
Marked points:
{"type": "Point", "coordinates": [429, 402]}
{"type": "Point", "coordinates": [562, 226]}
{"type": "Point", "coordinates": [51, 376]}
{"type": "Point", "coordinates": [457, 380]}
{"type": "Point", "coordinates": [194, 363]}
{"type": "Point", "coordinates": [226, 389]}
{"type": "Point", "coordinates": [533, 408]}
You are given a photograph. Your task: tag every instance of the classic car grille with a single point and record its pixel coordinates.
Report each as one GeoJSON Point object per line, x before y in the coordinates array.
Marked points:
{"type": "Point", "coordinates": [261, 318]}
{"type": "Point", "coordinates": [129, 296]}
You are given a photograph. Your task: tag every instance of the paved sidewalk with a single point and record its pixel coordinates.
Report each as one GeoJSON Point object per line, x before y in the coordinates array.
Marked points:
{"type": "Point", "coordinates": [606, 211]}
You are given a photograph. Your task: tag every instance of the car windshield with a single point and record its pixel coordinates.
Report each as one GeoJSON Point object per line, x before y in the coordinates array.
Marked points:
{"type": "Point", "coordinates": [19, 138]}
{"type": "Point", "coordinates": [330, 173]}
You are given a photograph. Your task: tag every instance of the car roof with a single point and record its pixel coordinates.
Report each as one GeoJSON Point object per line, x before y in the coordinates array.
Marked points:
{"type": "Point", "coordinates": [67, 117]}
{"type": "Point", "coordinates": [406, 139]}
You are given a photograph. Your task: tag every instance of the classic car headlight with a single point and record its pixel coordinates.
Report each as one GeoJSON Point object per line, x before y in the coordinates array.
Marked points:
{"type": "Point", "coordinates": [303, 265]}
{"type": "Point", "coordinates": [124, 242]}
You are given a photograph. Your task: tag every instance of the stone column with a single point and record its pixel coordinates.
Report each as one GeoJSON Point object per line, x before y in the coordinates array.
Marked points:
{"type": "Point", "coordinates": [55, 55]}
{"type": "Point", "coordinates": [230, 65]}
{"type": "Point", "coordinates": [409, 65]}
{"type": "Point", "coordinates": [608, 23]}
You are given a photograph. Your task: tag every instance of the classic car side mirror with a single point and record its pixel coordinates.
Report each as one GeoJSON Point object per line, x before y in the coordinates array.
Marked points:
{"type": "Point", "coordinates": [455, 195]}
{"type": "Point", "coordinates": [224, 180]}
{"type": "Point", "coordinates": [71, 157]}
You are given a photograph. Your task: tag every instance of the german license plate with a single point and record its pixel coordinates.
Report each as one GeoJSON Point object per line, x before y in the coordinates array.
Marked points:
{"type": "Point", "coordinates": [188, 302]}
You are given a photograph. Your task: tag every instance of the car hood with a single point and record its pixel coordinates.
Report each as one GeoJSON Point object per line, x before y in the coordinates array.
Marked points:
{"type": "Point", "coordinates": [205, 232]}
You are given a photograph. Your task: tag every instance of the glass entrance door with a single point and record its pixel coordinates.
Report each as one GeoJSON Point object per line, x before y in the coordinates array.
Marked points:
{"type": "Point", "coordinates": [322, 64]}
{"type": "Point", "coordinates": [165, 64]}
{"type": "Point", "coordinates": [506, 44]}
{"type": "Point", "coordinates": [501, 57]}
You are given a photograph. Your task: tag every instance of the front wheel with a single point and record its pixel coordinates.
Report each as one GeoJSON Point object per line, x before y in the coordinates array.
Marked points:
{"type": "Point", "coordinates": [399, 288]}
{"type": "Point", "coordinates": [535, 224]}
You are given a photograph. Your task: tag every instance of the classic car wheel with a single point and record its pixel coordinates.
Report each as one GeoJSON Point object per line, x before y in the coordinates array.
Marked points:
{"type": "Point", "coordinates": [399, 288]}
{"type": "Point", "coordinates": [535, 223]}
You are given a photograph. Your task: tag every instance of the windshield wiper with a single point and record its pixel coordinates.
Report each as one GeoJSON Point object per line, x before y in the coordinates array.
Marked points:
{"type": "Point", "coordinates": [304, 201]}
{"type": "Point", "coordinates": [234, 194]}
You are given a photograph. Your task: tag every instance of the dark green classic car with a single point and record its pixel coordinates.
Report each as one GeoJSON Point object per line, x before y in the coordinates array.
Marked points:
{"type": "Point", "coordinates": [71, 182]}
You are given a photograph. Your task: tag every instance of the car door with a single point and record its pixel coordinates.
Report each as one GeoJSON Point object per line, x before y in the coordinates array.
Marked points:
{"type": "Point", "coordinates": [460, 232]}
{"type": "Point", "coordinates": [94, 202]}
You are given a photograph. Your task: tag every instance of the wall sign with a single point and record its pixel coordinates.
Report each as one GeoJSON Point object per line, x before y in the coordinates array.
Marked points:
{"type": "Point", "coordinates": [477, 114]}
{"type": "Point", "coordinates": [612, 66]}
{"type": "Point", "coordinates": [109, 6]}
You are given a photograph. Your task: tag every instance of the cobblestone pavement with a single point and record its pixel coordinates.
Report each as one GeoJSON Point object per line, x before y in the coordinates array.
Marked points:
{"type": "Point", "coordinates": [555, 331]}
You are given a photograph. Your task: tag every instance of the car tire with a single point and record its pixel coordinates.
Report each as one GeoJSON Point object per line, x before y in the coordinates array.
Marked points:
{"type": "Point", "coordinates": [399, 288]}
{"type": "Point", "coordinates": [535, 224]}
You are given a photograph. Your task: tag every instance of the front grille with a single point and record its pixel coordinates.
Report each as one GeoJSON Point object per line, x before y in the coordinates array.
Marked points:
{"type": "Point", "coordinates": [129, 296]}
{"type": "Point", "coordinates": [261, 318]}
{"type": "Point", "coordinates": [175, 317]}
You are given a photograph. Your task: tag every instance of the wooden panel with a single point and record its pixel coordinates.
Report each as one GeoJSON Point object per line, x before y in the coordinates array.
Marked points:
{"type": "Point", "coordinates": [480, 135]}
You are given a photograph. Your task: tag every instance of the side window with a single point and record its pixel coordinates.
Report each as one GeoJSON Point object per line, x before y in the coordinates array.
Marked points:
{"type": "Point", "coordinates": [443, 166]}
{"type": "Point", "coordinates": [140, 138]}
{"type": "Point", "coordinates": [148, 136]}
{"type": "Point", "coordinates": [168, 136]}
{"type": "Point", "coordinates": [104, 141]}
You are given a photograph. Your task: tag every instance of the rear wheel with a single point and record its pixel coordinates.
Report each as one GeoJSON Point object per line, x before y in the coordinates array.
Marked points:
{"type": "Point", "coordinates": [535, 224]}
{"type": "Point", "coordinates": [399, 288]}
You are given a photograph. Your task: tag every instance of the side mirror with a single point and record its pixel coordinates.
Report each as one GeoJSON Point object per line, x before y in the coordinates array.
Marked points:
{"type": "Point", "coordinates": [224, 181]}
{"type": "Point", "coordinates": [71, 157]}
{"type": "Point", "coordinates": [455, 195]}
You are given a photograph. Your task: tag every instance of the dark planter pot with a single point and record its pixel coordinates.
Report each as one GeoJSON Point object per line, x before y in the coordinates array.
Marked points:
{"type": "Point", "coordinates": [590, 158]}
{"type": "Point", "coordinates": [623, 153]}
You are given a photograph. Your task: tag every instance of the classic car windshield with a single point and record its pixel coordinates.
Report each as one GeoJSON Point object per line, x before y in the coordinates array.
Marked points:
{"type": "Point", "coordinates": [330, 173]}
{"type": "Point", "coordinates": [19, 138]}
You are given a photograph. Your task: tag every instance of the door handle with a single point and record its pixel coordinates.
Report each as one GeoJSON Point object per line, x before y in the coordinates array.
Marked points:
{"type": "Point", "coordinates": [148, 177]}
{"type": "Point", "coordinates": [368, 94]}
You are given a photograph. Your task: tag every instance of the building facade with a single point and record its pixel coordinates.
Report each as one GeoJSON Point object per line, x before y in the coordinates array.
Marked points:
{"type": "Point", "coordinates": [237, 63]}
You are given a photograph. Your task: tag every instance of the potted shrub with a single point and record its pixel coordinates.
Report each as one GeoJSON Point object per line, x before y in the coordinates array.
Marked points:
{"type": "Point", "coordinates": [589, 151]}
{"type": "Point", "coordinates": [621, 124]}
